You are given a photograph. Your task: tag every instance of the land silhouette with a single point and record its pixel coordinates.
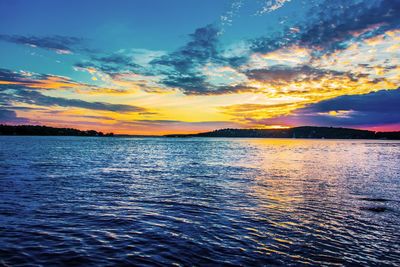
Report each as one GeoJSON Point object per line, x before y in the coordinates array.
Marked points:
{"type": "Point", "coordinates": [46, 131]}
{"type": "Point", "coordinates": [296, 132]}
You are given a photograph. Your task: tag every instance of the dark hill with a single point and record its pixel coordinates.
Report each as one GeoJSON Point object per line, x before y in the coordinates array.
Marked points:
{"type": "Point", "coordinates": [298, 132]}
{"type": "Point", "coordinates": [46, 131]}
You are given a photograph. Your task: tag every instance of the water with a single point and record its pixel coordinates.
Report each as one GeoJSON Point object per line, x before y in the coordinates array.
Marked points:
{"type": "Point", "coordinates": [159, 201]}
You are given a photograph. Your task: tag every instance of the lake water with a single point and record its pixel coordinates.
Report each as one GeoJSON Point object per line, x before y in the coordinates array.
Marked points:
{"type": "Point", "coordinates": [163, 201]}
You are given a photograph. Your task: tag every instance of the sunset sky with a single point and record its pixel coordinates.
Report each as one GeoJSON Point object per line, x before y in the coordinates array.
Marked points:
{"type": "Point", "coordinates": [180, 66]}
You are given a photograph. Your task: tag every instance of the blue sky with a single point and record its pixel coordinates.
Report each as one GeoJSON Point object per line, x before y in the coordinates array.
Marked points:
{"type": "Point", "coordinates": [195, 65]}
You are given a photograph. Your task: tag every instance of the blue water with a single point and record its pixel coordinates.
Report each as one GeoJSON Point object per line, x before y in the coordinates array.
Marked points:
{"type": "Point", "coordinates": [205, 202]}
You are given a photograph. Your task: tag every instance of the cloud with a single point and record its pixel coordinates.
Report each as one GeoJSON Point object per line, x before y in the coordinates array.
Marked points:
{"type": "Point", "coordinates": [259, 110]}
{"type": "Point", "coordinates": [35, 81]}
{"type": "Point", "coordinates": [37, 98]}
{"type": "Point", "coordinates": [372, 17]}
{"type": "Point", "coordinates": [200, 49]}
{"type": "Point", "coordinates": [226, 19]}
{"type": "Point", "coordinates": [279, 74]}
{"type": "Point", "coordinates": [23, 79]}
{"type": "Point", "coordinates": [332, 24]}
{"type": "Point", "coordinates": [125, 71]}
{"type": "Point", "coordinates": [271, 5]}
{"type": "Point", "coordinates": [10, 117]}
{"type": "Point", "coordinates": [368, 110]}
{"type": "Point", "coordinates": [11, 76]}
{"type": "Point", "coordinates": [57, 43]}
{"type": "Point", "coordinates": [182, 67]}
{"type": "Point", "coordinates": [186, 68]}
{"type": "Point", "coordinates": [111, 64]}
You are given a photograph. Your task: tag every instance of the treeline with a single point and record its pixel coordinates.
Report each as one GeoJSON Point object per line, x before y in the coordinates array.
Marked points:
{"type": "Point", "coordinates": [298, 132]}
{"type": "Point", "coordinates": [46, 131]}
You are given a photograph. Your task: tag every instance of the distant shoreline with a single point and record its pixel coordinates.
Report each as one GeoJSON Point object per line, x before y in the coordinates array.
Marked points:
{"type": "Point", "coordinates": [303, 132]}
{"type": "Point", "coordinates": [37, 130]}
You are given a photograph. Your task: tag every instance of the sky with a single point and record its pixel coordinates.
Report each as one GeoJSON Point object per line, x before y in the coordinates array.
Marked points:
{"type": "Point", "coordinates": [180, 66]}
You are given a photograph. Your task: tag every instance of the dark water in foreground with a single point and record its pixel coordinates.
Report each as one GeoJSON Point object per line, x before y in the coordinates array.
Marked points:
{"type": "Point", "coordinates": [115, 201]}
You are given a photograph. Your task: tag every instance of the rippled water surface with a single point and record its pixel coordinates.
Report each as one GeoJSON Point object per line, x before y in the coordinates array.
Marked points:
{"type": "Point", "coordinates": [160, 201]}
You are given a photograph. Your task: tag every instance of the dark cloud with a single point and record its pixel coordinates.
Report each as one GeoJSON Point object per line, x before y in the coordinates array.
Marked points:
{"type": "Point", "coordinates": [197, 85]}
{"type": "Point", "coordinates": [346, 19]}
{"type": "Point", "coordinates": [25, 108]}
{"type": "Point", "coordinates": [10, 117]}
{"type": "Point", "coordinates": [283, 73]}
{"type": "Point", "coordinates": [333, 23]}
{"type": "Point", "coordinates": [55, 113]}
{"type": "Point", "coordinates": [116, 59]}
{"type": "Point", "coordinates": [182, 66]}
{"type": "Point", "coordinates": [10, 76]}
{"type": "Point", "coordinates": [35, 81]}
{"type": "Point", "coordinates": [386, 101]}
{"type": "Point", "coordinates": [60, 44]}
{"type": "Point", "coordinates": [373, 109]}
{"type": "Point", "coordinates": [36, 98]}
{"type": "Point", "coordinates": [199, 50]}
{"type": "Point", "coordinates": [113, 64]}
{"type": "Point", "coordinates": [194, 83]}
{"type": "Point", "coordinates": [14, 79]}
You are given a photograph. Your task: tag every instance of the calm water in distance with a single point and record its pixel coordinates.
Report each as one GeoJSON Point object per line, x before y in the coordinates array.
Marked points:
{"type": "Point", "coordinates": [163, 201]}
